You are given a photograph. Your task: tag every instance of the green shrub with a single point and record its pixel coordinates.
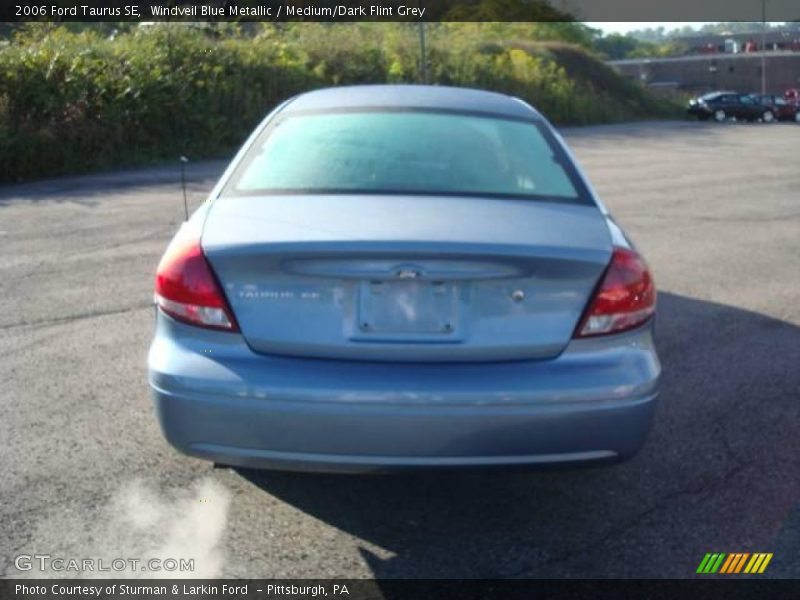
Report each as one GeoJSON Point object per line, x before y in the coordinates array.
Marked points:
{"type": "Point", "coordinates": [73, 101]}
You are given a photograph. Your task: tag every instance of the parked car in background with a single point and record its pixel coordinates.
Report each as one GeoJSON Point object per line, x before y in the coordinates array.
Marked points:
{"type": "Point", "coordinates": [724, 105]}
{"type": "Point", "coordinates": [404, 276]}
{"type": "Point", "coordinates": [781, 107]}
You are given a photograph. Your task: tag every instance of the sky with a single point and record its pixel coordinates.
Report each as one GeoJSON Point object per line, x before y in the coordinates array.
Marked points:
{"type": "Point", "coordinates": [626, 26]}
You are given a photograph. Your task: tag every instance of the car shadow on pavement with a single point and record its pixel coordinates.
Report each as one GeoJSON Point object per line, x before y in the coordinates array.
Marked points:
{"type": "Point", "coordinates": [718, 473]}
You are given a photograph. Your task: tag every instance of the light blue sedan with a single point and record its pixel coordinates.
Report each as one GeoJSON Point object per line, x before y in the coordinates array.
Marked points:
{"type": "Point", "coordinates": [403, 276]}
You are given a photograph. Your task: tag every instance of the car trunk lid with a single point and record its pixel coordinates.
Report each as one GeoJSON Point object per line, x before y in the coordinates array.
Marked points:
{"type": "Point", "coordinates": [406, 278]}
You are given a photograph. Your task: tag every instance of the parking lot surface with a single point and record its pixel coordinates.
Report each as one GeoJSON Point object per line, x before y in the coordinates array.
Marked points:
{"type": "Point", "coordinates": [86, 472]}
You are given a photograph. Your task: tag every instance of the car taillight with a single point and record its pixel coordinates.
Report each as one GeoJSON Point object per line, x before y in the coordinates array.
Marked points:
{"type": "Point", "coordinates": [625, 299]}
{"type": "Point", "coordinates": [187, 290]}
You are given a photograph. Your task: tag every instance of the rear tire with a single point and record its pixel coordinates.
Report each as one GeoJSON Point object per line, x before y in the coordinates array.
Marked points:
{"type": "Point", "coordinates": [797, 117]}
{"type": "Point", "coordinates": [768, 116]}
{"type": "Point", "coordinates": [719, 115]}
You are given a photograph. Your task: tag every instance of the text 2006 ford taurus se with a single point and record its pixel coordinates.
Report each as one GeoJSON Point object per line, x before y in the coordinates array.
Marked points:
{"type": "Point", "coordinates": [403, 276]}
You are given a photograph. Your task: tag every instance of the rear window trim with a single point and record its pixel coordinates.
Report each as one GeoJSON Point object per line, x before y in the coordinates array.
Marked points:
{"type": "Point", "coordinates": [583, 197]}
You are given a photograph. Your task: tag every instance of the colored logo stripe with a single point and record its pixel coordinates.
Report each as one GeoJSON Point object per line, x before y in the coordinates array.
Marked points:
{"type": "Point", "coordinates": [734, 563]}
{"type": "Point", "coordinates": [710, 563]}
{"type": "Point", "coordinates": [727, 564]}
{"type": "Point", "coordinates": [758, 563]}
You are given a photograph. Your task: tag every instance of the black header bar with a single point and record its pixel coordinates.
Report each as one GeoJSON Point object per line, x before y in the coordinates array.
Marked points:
{"type": "Point", "coordinates": [399, 10]}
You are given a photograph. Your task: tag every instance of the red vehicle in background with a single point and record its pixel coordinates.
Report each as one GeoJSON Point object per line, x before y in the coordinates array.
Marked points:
{"type": "Point", "coordinates": [785, 108]}
{"type": "Point", "coordinates": [792, 96]}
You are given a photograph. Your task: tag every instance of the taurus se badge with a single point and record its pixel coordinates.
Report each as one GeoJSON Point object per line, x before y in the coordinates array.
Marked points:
{"type": "Point", "coordinates": [407, 274]}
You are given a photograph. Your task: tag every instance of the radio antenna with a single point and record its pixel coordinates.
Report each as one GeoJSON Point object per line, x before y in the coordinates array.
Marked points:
{"type": "Point", "coordinates": [183, 161]}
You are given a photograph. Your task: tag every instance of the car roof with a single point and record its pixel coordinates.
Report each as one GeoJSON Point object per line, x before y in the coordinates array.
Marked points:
{"type": "Point", "coordinates": [412, 97]}
{"type": "Point", "coordinates": [718, 93]}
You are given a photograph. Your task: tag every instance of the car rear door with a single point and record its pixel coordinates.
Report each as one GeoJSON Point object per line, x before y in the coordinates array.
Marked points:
{"type": "Point", "coordinates": [729, 103]}
{"type": "Point", "coordinates": [749, 107]}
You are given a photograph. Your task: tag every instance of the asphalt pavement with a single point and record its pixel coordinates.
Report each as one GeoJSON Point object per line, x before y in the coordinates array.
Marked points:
{"type": "Point", "coordinates": [87, 474]}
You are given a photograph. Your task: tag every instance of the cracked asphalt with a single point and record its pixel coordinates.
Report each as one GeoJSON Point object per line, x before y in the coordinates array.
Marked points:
{"type": "Point", "coordinates": [715, 209]}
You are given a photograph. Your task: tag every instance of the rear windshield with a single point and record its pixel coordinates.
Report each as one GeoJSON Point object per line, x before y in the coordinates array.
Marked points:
{"type": "Point", "coordinates": [407, 152]}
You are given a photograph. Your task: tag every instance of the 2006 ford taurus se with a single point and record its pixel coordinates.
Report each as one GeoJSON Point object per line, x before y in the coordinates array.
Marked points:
{"type": "Point", "coordinates": [403, 276]}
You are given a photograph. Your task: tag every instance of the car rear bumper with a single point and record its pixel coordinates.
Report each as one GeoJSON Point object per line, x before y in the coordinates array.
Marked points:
{"type": "Point", "coordinates": [217, 400]}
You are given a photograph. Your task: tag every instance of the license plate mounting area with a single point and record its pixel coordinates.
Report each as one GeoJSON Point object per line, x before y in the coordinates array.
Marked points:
{"type": "Point", "coordinates": [407, 308]}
